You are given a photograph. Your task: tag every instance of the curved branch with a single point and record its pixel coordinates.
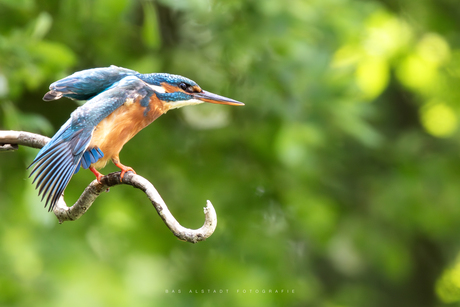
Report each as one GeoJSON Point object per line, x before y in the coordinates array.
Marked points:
{"type": "Point", "coordinates": [9, 140]}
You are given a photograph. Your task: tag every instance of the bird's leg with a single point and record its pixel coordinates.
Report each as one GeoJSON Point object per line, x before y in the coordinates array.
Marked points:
{"type": "Point", "coordinates": [96, 173]}
{"type": "Point", "coordinates": [123, 168]}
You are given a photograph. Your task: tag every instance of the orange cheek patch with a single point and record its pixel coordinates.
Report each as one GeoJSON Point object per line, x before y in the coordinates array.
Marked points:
{"type": "Point", "coordinates": [169, 88]}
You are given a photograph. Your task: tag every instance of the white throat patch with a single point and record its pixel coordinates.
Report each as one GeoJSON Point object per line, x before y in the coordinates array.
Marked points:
{"type": "Point", "coordinates": [183, 103]}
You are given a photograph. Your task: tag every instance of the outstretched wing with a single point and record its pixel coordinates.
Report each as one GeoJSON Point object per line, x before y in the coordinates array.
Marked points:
{"type": "Point", "coordinates": [58, 160]}
{"type": "Point", "coordinates": [63, 155]}
{"type": "Point", "coordinates": [85, 84]}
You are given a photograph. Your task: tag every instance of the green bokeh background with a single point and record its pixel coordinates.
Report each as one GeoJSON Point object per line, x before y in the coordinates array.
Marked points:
{"type": "Point", "coordinates": [338, 184]}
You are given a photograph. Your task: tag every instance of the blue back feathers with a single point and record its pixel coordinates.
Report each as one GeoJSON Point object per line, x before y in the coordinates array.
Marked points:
{"type": "Point", "coordinates": [84, 85]}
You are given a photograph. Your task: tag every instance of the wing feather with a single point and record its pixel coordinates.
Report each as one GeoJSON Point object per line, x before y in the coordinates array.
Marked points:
{"type": "Point", "coordinates": [85, 84]}
{"type": "Point", "coordinates": [69, 150]}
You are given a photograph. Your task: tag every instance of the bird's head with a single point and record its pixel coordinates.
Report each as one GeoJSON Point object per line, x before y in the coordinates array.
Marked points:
{"type": "Point", "coordinates": [178, 91]}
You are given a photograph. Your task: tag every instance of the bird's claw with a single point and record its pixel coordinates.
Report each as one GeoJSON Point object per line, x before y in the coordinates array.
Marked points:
{"type": "Point", "coordinates": [124, 170]}
{"type": "Point", "coordinates": [96, 173]}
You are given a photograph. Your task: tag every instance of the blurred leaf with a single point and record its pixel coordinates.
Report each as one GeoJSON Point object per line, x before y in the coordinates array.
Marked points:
{"type": "Point", "coordinates": [150, 31]}
{"type": "Point", "coordinates": [439, 119]}
{"type": "Point", "coordinates": [372, 76]}
{"type": "Point", "coordinates": [295, 142]}
{"type": "Point", "coordinates": [13, 119]}
{"type": "Point", "coordinates": [42, 26]}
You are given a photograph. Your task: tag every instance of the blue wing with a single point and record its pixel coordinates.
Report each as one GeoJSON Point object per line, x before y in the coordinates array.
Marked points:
{"type": "Point", "coordinates": [85, 84]}
{"type": "Point", "coordinates": [68, 149]}
{"type": "Point", "coordinates": [58, 161]}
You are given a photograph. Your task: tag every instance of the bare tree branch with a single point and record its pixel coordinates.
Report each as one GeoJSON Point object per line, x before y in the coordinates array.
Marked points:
{"type": "Point", "coordinates": [9, 140]}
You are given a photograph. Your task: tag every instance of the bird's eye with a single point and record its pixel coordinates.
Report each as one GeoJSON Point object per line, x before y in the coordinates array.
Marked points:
{"type": "Point", "coordinates": [186, 87]}
{"type": "Point", "coordinates": [183, 86]}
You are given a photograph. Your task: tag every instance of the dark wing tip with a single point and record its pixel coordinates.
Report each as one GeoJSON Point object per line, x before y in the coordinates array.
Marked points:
{"type": "Point", "coordinates": [54, 174]}
{"type": "Point", "coordinates": [52, 95]}
{"type": "Point", "coordinates": [56, 163]}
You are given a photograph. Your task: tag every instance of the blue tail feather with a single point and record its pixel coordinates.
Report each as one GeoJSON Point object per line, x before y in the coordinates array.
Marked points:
{"type": "Point", "coordinates": [101, 154]}
{"type": "Point", "coordinates": [85, 162]}
{"type": "Point", "coordinates": [78, 168]}
{"type": "Point", "coordinates": [92, 159]}
{"type": "Point", "coordinates": [89, 156]}
{"type": "Point", "coordinates": [94, 155]}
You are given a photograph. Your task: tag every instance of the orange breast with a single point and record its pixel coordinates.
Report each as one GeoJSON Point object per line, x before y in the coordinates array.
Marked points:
{"type": "Point", "coordinates": [121, 125]}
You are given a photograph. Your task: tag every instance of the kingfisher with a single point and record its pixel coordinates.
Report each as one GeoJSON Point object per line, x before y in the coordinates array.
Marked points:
{"type": "Point", "coordinates": [119, 103]}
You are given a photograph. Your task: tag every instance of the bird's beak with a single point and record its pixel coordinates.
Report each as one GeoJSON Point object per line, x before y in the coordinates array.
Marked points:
{"type": "Point", "coordinates": [213, 98]}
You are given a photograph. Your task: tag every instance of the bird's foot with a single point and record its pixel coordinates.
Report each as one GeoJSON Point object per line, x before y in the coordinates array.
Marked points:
{"type": "Point", "coordinates": [124, 169]}
{"type": "Point", "coordinates": [96, 173]}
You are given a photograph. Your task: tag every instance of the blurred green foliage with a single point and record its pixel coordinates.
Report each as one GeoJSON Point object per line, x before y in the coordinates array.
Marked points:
{"type": "Point", "coordinates": [338, 181]}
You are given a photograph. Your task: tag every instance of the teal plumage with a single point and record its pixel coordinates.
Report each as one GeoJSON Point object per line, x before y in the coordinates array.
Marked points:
{"type": "Point", "coordinates": [68, 149]}
{"type": "Point", "coordinates": [120, 102]}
